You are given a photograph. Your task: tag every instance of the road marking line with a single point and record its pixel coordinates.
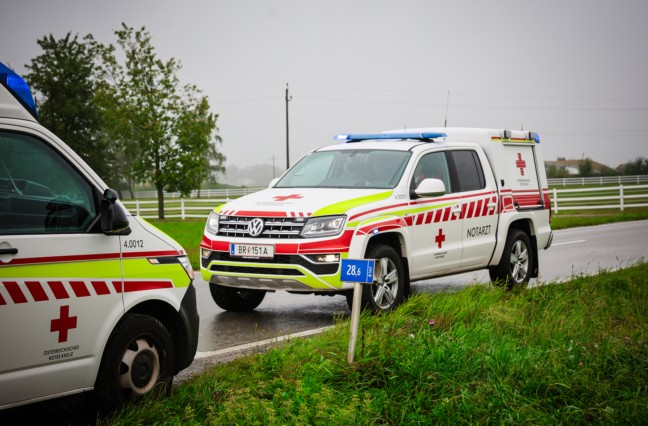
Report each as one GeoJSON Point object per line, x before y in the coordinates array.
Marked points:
{"type": "Point", "coordinates": [568, 242]}
{"type": "Point", "coordinates": [253, 345]}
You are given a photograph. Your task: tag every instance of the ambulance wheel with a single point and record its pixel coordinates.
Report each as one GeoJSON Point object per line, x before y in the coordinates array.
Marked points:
{"type": "Point", "coordinates": [515, 266]}
{"type": "Point", "coordinates": [138, 361]}
{"type": "Point", "coordinates": [390, 288]}
{"type": "Point", "coordinates": [236, 299]}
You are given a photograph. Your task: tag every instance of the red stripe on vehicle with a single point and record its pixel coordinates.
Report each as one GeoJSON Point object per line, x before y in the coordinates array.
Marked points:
{"type": "Point", "coordinates": [394, 206]}
{"type": "Point", "coordinates": [58, 289]}
{"type": "Point", "coordinates": [132, 286]}
{"type": "Point", "coordinates": [429, 216]}
{"type": "Point", "coordinates": [90, 257]}
{"type": "Point", "coordinates": [2, 300]}
{"type": "Point", "coordinates": [100, 288]}
{"type": "Point", "coordinates": [36, 290]}
{"type": "Point", "coordinates": [80, 289]}
{"type": "Point", "coordinates": [15, 292]}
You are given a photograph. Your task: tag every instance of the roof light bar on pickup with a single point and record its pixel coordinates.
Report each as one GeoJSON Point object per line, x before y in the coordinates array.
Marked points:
{"type": "Point", "coordinates": [426, 136]}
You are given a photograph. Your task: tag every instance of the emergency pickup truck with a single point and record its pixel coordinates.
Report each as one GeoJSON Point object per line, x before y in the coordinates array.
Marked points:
{"type": "Point", "coordinates": [423, 203]}
{"type": "Point", "coordinates": [91, 297]}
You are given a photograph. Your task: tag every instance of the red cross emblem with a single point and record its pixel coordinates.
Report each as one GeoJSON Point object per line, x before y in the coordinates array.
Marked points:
{"type": "Point", "coordinates": [63, 324]}
{"type": "Point", "coordinates": [520, 164]}
{"type": "Point", "coordinates": [439, 239]}
{"type": "Point", "coordinates": [287, 197]}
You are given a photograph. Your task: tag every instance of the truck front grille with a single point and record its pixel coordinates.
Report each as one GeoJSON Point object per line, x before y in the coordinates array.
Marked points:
{"type": "Point", "coordinates": [273, 227]}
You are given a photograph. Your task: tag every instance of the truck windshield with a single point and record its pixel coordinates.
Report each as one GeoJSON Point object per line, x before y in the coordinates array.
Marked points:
{"type": "Point", "coordinates": [370, 169]}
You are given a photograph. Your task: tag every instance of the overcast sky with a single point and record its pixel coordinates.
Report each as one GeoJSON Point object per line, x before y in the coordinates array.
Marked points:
{"type": "Point", "coordinates": [575, 71]}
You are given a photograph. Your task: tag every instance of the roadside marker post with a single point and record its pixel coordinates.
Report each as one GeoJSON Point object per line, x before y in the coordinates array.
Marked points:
{"type": "Point", "coordinates": [358, 271]}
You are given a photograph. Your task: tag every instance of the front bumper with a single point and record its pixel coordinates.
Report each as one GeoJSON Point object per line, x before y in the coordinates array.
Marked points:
{"type": "Point", "coordinates": [292, 272]}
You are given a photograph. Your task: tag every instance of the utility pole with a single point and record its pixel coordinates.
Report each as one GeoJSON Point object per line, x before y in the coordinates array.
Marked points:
{"type": "Point", "coordinates": [288, 99]}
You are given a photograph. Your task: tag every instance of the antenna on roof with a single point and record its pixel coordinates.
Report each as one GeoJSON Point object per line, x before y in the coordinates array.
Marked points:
{"type": "Point", "coordinates": [445, 124]}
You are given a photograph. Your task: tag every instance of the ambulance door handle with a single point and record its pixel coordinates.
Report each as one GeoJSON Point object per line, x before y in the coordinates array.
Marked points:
{"type": "Point", "coordinates": [9, 251]}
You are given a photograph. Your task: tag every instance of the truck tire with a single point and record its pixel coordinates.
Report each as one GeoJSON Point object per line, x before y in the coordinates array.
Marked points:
{"type": "Point", "coordinates": [517, 259]}
{"type": "Point", "coordinates": [138, 360]}
{"type": "Point", "coordinates": [236, 299]}
{"type": "Point", "coordinates": [389, 290]}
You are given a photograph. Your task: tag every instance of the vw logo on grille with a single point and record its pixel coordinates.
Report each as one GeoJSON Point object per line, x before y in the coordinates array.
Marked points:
{"type": "Point", "coordinates": [255, 227]}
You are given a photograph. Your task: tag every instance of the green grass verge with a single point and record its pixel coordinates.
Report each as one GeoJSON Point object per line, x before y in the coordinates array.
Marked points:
{"type": "Point", "coordinates": [575, 353]}
{"type": "Point", "coordinates": [187, 233]}
{"type": "Point", "coordinates": [594, 217]}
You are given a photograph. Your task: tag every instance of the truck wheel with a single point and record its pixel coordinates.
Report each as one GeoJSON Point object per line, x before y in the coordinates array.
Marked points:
{"type": "Point", "coordinates": [389, 289]}
{"type": "Point", "coordinates": [515, 266]}
{"type": "Point", "coordinates": [138, 360]}
{"type": "Point", "coordinates": [236, 299]}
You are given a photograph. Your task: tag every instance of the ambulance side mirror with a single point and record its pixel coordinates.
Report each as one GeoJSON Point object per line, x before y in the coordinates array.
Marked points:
{"type": "Point", "coordinates": [430, 187]}
{"type": "Point", "coordinates": [113, 215]}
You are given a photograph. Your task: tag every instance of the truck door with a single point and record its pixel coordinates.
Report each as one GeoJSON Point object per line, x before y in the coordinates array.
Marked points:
{"type": "Point", "coordinates": [479, 202]}
{"type": "Point", "coordinates": [524, 184]}
{"type": "Point", "coordinates": [60, 277]}
{"type": "Point", "coordinates": [437, 228]}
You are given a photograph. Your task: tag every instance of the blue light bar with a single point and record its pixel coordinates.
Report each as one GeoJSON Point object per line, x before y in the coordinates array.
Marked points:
{"type": "Point", "coordinates": [389, 136]}
{"type": "Point", "coordinates": [19, 88]}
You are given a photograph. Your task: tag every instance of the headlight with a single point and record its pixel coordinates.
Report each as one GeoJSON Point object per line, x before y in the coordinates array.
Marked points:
{"type": "Point", "coordinates": [212, 223]}
{"type": "Point", "coordinates": [184, 260]}
{"type": "Point", "coordinates": [323, 226]}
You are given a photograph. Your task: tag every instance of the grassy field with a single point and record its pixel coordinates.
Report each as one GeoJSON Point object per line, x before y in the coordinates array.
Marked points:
{"type": "Point", "coordinates": [575, 353]}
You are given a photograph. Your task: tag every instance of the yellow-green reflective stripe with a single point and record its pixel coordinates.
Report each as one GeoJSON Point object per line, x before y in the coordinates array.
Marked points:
{"type": "Point", "coordinates": [77, 269]}
{"type": "Point", "coordinates": [101, 269]}
{"type": "Point", "coordinates": [142, 268]}
{"type": "Point", "coordinates": [344, 206]}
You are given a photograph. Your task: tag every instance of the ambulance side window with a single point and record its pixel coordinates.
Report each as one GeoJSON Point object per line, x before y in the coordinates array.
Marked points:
{"type": "Point", "coordinates": [469, 170]}
{"type": "Point", "coordinates": [40, 192]}
{"type": "Point", "coordinates": [434, 165]}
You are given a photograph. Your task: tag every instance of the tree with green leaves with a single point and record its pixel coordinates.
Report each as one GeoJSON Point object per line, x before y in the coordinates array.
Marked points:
{"type": "Point", "coordinates": [586, 167]}
{"type": "Point", "coordinates": [166, 129]}
{"type": "Point", "coordinates": [63, 78]}
{"type": "Point", "coordinates": [637, 167]}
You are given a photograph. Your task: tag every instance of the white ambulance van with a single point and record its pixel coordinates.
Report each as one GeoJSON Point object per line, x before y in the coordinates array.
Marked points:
{"type": "Point", "coordinates": [424, 203]}
{"type": "Point", "coordinates": [91, 297]}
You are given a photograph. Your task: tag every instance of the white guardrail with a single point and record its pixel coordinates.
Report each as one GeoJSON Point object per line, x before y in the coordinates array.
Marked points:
{"type": "Point", "coordinates": [606, 197]}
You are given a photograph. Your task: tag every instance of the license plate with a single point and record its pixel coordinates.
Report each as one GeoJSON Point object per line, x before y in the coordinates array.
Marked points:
{"type": "Point", "coordinates": [256, 251]}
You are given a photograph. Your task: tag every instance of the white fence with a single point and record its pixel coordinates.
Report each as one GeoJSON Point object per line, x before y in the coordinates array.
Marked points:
{"type": "Point", "coordinates": [206, 193]}
{"type": "Point", "coordinates": [599, 180]}
{"type": "Point", "coordinates": [617, 197]}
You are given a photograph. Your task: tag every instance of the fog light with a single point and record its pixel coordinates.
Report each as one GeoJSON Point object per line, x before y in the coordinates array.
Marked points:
{"type": "Point", "coordinates": [206, 253]}
{"type": "Point", "coordinates": [327, 258]}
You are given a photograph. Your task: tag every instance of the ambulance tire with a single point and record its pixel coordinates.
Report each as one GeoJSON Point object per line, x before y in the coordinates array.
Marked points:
{"type": "Point", "coordinates": [390, 288]}
{"type": "Point", "coordinates": [138, 360]}
{"type": "Point", "coordinates": [236, 299]}
{"type": "Point", "coordinates": [517, 259]}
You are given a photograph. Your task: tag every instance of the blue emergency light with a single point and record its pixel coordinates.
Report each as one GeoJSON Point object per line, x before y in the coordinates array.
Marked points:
{"type": "Point", "coordinates": [425, 136]}
{"type": "Point", "coordinates": [18, 88]}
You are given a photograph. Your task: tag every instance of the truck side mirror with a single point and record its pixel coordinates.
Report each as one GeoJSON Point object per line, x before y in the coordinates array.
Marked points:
{"type": "Point", "coordinates": [430, 187]}
{"type": "Point", "coordinates": [113, 215]}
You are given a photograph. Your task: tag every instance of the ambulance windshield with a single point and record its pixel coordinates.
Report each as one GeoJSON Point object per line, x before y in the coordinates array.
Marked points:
{"type": "Point", "coordinates": [358, 168]}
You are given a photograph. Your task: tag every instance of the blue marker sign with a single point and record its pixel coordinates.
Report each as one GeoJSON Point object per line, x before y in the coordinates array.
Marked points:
{"type": "Point", "coordinates": [357, 270]}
